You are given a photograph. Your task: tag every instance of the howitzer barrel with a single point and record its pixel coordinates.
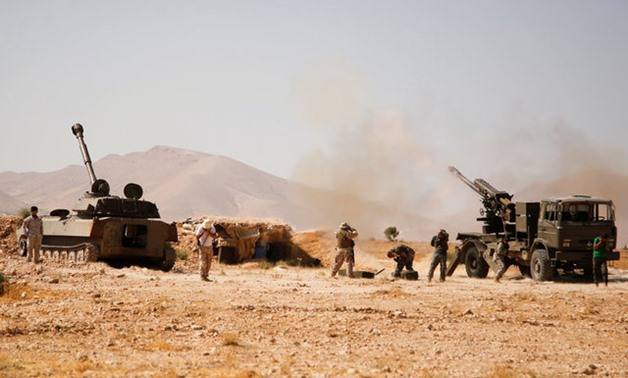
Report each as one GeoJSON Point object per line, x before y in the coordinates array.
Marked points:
{"type": "Point", "coordinates": [77, 130]}
{"type": "Point", "coordinates": [469, 183]}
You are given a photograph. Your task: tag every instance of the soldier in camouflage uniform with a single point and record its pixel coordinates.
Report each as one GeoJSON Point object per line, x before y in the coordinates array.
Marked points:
{"type": "Point", "coordinates": [440, 244]}
{"type": "Point", "coordinates": [404, 256]}
{"type": "Point", "coordinates": [501, 258]}
{"type": "Point", "coordinates": [344, 249]}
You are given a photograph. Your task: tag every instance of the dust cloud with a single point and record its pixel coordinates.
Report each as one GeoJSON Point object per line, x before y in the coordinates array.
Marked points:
{"type": "Point", "coordinates": [381, 173]}
{"type": "Point", "coordinates": [374, 175]}
{"type": "Point", "coordinates": [384, 169]}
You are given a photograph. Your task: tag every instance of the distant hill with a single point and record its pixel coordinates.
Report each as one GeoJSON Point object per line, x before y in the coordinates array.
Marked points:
{"type": "Point", "coordinates": [10, 205]}
{"type": "Point", "coordinates": [186, 183]}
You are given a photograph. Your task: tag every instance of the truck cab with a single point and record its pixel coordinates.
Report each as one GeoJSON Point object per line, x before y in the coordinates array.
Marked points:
{"type": "Point", "coordinates": [567, 227]}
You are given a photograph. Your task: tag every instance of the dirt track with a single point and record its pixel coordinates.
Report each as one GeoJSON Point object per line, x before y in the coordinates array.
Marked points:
{"type": "Point", "coordinates": [255, 320]}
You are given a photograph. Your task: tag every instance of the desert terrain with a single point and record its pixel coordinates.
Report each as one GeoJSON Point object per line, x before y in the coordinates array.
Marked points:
{"type": "Point", "coordinates": [259, 319]}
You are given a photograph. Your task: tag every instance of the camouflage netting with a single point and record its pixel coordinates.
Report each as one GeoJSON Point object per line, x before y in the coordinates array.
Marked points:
{"type": "Point", "coordinates": [8, 241]}
{"type": "Point", "coordinates": [241, 234]}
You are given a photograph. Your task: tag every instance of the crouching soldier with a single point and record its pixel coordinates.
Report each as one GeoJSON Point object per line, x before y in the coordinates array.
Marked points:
{"type": "Point", "coordinates": [440, 243]}
{"type": "Point", "coordinates": [501, 257]}
{"type": "Point", "coordinates": [404, 256]}
{"type": "Point", "coordinates": [344, 249]}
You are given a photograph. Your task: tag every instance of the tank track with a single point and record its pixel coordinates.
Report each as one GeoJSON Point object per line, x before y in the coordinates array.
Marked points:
{"type": "Point", "coordinates": [79, 253]}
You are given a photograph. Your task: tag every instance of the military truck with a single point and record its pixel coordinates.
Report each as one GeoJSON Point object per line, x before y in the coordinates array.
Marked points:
{"type": "Point", "coordinates": [554, 234]}
{"type": "Point", "coordinates": [107, 227]}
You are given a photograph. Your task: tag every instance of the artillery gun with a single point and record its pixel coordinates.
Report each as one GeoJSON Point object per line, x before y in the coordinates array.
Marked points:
{"type": "Point", "coordinates": [555, 233]}
{"type": "Point", "coordinates": [107, 227]}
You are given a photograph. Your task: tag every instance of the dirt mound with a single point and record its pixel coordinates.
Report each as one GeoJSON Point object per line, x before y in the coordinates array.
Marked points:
{"type": "Point", "coordinates": [318, 244]}
{"type": "Point", "coordinates": [8, 241]}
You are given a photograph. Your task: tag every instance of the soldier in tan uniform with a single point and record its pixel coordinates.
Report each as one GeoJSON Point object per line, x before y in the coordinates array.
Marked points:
{"type": "Point", "coordinates": [344, 249]}
{"type": "Point", "coordinates": [34, 231]}
{"type": "Point", "coordinates": [205, 233]}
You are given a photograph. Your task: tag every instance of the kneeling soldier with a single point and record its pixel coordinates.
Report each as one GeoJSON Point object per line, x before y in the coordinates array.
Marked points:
{"type": "Point", "coordinates": [404, 256]}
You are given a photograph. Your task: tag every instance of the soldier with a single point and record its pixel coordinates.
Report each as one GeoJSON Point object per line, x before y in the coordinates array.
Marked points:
{"type": "Point", "coordinates": [205, 233]}
{"type": "Point", "coordinates": [440, 244]}
{"type": "Point", "coordinates": [404, 256]}
{"type": "Point", "coordinates": [600, 269]}
{"type": "Point", "coordinates": [501, 257]}
{"type": "Point", "coordinates": [344, 249]}
{"type": "Point", "coordinates": [34, 231]}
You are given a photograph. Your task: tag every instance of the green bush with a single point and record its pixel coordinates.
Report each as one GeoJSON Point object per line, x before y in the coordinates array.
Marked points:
{"type": "Point", "coordinates": [391, 233]}
{"type": "Point", "coordinates": [23, 212]}
{"type": "Point", "coordinates": [3, 281]}
{"type": "Point", "coordinates": [181, 254]}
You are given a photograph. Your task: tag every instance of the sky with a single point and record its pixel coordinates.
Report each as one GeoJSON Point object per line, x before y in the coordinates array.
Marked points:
{"type": "Point", "coordinates": [288, 86]}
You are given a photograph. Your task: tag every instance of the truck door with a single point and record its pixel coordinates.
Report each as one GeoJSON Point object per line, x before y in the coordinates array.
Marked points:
{"type": "Point", "coordinates": [549, 222]}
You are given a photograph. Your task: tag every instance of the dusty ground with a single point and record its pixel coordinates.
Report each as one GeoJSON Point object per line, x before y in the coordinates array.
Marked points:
{"type": "Point", "coordinates": [262, 320]}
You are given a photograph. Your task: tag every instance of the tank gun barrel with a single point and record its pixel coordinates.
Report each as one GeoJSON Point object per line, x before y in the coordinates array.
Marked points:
{"type": "Point", "coordinates": [77, 130]}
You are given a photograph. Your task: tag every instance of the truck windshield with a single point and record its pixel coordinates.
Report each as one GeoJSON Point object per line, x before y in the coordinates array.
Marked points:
{"type": "Point", "coordinates": [586, 212]}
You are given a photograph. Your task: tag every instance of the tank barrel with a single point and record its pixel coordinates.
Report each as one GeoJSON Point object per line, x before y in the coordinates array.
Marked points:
{"type": "Point", "coordinates": [77, 130]}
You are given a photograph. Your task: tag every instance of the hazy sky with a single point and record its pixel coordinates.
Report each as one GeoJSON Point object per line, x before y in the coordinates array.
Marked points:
{"type": "Point", "coordinates": [270, 82]}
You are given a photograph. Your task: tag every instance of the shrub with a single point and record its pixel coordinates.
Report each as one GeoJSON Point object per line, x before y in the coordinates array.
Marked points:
{"type": "Point", "coordinates": [3, 282]}
{"type": "Point", "coordinates": [391, 233]}
{"type": "Point", "coordinates": [181, 254]}
{"type": "Point", "coordinates": [23, 212]}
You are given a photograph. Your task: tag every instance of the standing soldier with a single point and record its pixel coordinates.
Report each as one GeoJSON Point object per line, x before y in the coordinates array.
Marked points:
{"type": "Point", "coordinates": [600, 269]}
{"type": "Point", "coordinates": [34, 231]}
{"type": "Point", "coordinates": [440, 244]}
{"type": "Point", "coordinates": [501, 257]}
{"type": "Point", "coordinates": [344, 249]}
{"type": "Point", "coordinates": [205, 233]}
{"type": "Point", "coordinates": [404, 256]}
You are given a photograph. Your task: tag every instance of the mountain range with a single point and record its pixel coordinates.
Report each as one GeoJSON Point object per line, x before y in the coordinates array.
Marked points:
{"type": "Point", "coordinates": [191, 184]}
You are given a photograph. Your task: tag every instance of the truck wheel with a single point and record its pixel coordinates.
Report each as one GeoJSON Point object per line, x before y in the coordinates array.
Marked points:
{"type": "Point", "coordinates": [23, 247]}
{"type": "Point", "coordinates": [474, 264]}
{"type": "Point", "coordinates": [170, 256]}
{"type": "Point", "coordinates": [525, 271]}
{"type": "Point", "coordinates": [540, 266]}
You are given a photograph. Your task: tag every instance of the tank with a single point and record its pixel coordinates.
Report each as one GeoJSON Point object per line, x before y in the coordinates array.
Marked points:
{"type": "Point", "coordinates": [105, 227]}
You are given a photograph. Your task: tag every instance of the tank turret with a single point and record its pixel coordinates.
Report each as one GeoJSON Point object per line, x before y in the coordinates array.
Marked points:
{"type": "Point", "coordinates": [120, 230]}
{"type": "Point", "coordinates": [98, 201]}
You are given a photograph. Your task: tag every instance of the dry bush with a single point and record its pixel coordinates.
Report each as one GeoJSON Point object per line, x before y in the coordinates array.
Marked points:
{"type": "Point", "coordinates": [230, 339]}
{"type": "Point", "coordinates": [8, 365]}
{"type": "Point", "coordinates": [15, 292]}
{"type": "Point", "coordinates": [507, 372]}
{"type": "Point", "coordinates": [395, 292]}
{"type": "Point", "coordinates": [590, 308]}
{"type": "Point", "coordinates": [162, 345]}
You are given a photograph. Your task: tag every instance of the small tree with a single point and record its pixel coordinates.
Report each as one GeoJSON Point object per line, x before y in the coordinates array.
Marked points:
{"type": "Point", "coordinates": [391, 233]}
{"type": "Point", "coordinates": [23, 212]}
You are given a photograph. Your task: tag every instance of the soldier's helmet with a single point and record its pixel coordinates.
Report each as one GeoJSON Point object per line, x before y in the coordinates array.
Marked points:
{"type": "Point", "coordinates": [391, 254]}
{"type": "Point", "coordinates": [345, 226]}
